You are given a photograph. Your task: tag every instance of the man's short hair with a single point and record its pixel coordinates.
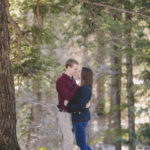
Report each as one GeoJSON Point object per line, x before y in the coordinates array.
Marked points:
{"type": "Point", "coordinates": [71, 62]}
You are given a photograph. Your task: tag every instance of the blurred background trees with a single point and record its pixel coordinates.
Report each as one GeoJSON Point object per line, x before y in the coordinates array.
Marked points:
{"type": "Point", "coordinates": [112, 38]}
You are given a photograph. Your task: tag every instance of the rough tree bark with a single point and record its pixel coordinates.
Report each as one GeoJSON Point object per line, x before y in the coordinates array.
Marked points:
{"type": "Point", "coordinates": [8, 138]}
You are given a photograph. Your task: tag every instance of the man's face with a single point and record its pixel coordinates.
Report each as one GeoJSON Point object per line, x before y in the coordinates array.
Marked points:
{"type": "Point", "coordinates": [74, 69]}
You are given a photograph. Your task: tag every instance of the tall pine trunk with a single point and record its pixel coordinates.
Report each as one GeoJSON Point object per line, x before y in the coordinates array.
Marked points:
{"type": "Point", "coordinates": [36, 111]}
{"type": "Point", "coordinates": [130, 93]}
{"type": "Point", "coordinates": [8, 138]}
{"type": "Point", "coordinates": [131, 108]}
{"type": "Point", "coordinates": [36, 116]}
{"type": "Point", "coordinates": [100, 57]}
{"type": "Point", "coordinates": [115, 121]}
{"type": "Point", "coordinates": [115, 112]}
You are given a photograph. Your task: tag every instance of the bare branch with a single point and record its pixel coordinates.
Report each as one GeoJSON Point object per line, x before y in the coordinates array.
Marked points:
{"type": "Point", "coordinates": [117, 9]}
{"type": "Point", "coordinates": [17, 28]}
{"type": "Point", "coordinates": [39, 18]}
{"type": "Point", "coordinates": [11, 21]}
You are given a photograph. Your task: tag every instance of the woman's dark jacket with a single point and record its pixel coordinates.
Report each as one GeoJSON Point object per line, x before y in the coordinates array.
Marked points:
{"type": "Point", "coordinates": [78, 103]}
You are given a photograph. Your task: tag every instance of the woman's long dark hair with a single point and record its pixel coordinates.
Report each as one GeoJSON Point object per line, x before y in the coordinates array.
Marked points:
{"type": "Point", "coordinates": [86, 77]}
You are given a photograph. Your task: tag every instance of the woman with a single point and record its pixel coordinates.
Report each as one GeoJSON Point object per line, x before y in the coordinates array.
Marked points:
{"type": "Point", "coordinates": [81, 114]}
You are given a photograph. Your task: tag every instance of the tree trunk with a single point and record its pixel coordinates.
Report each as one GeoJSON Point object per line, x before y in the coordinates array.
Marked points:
{"type": "Point", "coordinates": [115, 97]}
{"type": "Point", "coordinates": [36, 116]}
{"type": "Point", "coordinates": [8, 138]}
{"type": "Point", "coordinates": [85, 58]}
{"type": "Point", "coordinates": [115, 112]}
{"type": "Point", "coordinates": [36, 111]}
{"type": "Point", "coordinates": [131, 108]}
{"type": "Point", "coordinates": [100, 57]}
{"type": "Point", "coordinates": [130, 93]}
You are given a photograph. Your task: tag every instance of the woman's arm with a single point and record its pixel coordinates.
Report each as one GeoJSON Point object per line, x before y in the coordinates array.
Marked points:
{"type": "Point", "coordinates": [84, 98]}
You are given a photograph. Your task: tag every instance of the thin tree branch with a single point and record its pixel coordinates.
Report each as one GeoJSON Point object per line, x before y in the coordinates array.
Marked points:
{"type": "Point", "coordinates": [39, 17]}
{"type": "Point", "coordinates": [38, 12]}
{"type": "Point", "coordinates": [17, 28]}
{"type": "Point", "coordinates": [19, 53]}
{"type": "Point", "coordinates": [115, 8]}
{"type": "Point", "coordinates": [13, 23]}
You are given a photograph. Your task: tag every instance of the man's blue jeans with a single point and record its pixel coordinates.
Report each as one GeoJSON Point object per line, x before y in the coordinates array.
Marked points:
{"type": "Point", "coordinates": [80, 133]}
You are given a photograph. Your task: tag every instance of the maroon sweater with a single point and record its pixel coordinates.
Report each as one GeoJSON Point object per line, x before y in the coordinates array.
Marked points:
{"type": "Point", "coordinates": [66, 88]}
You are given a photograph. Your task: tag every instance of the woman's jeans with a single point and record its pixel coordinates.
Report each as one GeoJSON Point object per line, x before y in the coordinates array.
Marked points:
{"type": "Point", "coordinates": [80, 133]}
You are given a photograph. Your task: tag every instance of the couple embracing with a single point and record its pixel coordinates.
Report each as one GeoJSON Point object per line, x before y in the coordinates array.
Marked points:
{"type": "Point", "coordinates": [73, 104]}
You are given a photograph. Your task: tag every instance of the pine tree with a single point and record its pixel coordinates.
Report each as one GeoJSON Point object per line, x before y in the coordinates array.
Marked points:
{"type": "Point", "coordinates": [8, 138]}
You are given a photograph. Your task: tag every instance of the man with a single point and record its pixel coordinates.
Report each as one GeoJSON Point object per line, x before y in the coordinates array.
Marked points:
{"type": "Point", "coordinates": [66, 87]}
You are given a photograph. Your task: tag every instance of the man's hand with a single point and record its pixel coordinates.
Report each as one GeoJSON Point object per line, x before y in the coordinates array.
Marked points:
{"type": "Point", "coordinates": [66, 102]}
{"type": "Point", "coordinates": [88, 105]}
